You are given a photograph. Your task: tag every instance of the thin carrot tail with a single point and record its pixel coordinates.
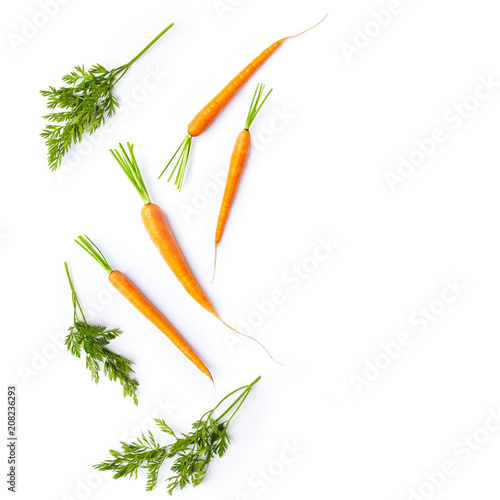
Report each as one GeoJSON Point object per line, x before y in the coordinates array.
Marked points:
{"type": "Point", "coordinates": [308, 29]}
{"type": "Point", "coordinates": [251, 338]}
{"type": "Point", "coordinates": [215, 263]}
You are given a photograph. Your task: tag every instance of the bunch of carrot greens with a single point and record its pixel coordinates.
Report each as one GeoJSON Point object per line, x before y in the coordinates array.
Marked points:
{"type": "Point", "coordinates": [93, 340]}
{"type": "Point", "coordinates": [83, 105]}
{"type": "Point", "coordinates": [192, 452]}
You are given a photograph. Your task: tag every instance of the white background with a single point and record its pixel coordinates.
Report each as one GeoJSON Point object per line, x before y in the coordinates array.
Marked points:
{"type": "Point", "coordinates": [321, 173]}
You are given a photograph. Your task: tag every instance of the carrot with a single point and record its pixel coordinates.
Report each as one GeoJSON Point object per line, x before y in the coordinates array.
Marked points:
{"type": "Point", "coordinates": [209, 112]}
{"type": "Point", "coordinates": [142, 304]}
{"type": "Point", "coordinates": [237, 164]}
{"type": "Point", "coordinates": [159, 231]}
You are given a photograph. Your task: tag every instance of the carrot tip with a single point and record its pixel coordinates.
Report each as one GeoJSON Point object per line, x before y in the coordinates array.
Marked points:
{"type": "Point", "coordinates": [251, 338]}
{"type": "Point", "coordinates": [308, 29]}
{"type": "Point", "coordinates": [215, 264]}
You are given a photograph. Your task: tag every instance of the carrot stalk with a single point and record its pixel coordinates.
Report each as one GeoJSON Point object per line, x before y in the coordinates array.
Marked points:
{"type": "Point", "coordinates": [237, 164]}
{"type": "Point", "coordinates": [141, 303]}
{"type": "Point", "coordinates": [211, 110]}
{"type": "Point", "coordinates": [159, 231]}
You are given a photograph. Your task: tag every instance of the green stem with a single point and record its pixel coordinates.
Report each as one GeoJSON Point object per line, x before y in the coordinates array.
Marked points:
{"type": "Point", "coordinates": [244, 394]}
{"type": "Point", "coordinates": [132, 171]}
{"type": "Point", "coordinates": [117, 71]}
{"type": "Point", "coordinates": [256, 104]}
{"type": "Point", "coordinates": [181, 163]}
{"type": "Point", "coordinates": [123, 69]}
{"type": "Point", "coordinates": [76, 302]}
{"type": "Point", "coordinates": [149, 45]}
{"type": "Point", "coordinates": [222, 400]}
{"type": "Point", "coordinates": [93, 250]}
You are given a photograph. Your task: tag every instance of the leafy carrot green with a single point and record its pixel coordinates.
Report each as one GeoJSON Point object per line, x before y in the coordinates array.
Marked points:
{"type": "Point", "coordinates": [93, 340]}
{"type": "Point", "coordinates": [192, 452]}
{"type": "Point", "coordinates": [83, 105]}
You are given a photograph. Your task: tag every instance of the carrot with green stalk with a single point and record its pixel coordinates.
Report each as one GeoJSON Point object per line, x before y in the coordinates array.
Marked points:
{"type": "Point", "coordinates": [207, 115]}
{"type": "Point", "coordinates": [237, 164]}
{"type": "Point", "coordinates": [160, 233]}
{"type": "Point", "coordinates": [141, 303]}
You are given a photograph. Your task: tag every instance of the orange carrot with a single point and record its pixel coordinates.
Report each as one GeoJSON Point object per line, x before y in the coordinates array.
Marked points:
{"type": "Point", "coordinates": [238, 162]}
{"type": "Point", "coordinates": [142, 304]}
{"type": "Point", "coordinates": [209, 112]}
{"type": "Point", "coordinates": [159, 231]}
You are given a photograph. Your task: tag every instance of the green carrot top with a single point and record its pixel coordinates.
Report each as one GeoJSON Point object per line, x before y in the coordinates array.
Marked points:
{"type": "Point", "coordinates": [256, 104]}
{"type": "Point", "coordinates": [93, 341]}
{"type": "Point", "coordinates": [192, 452]}
{"type": "Point", "coordinates": [93, 250]}
{"type": "Point", "coordinates": [129, 165]}
{"type": "Point", "coordinates": [84, 105]}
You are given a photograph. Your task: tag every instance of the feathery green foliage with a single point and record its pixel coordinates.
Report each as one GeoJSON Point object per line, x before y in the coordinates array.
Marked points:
{"type": "Point", "coordinates": [93, 341]}
{"type": "Point", "coordinates": [83, 105]}
{"type": "Point", "coordinates": [191, 452]}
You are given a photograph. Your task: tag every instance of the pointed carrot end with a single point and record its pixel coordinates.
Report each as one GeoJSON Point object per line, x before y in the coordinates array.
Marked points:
{"type": "Point", "coordinates": [251, 338]}
{"type": "Point", "coordinates": [215, 264]}
{"type": "Point", "coordinates": [308, 29]}
{"type": "Point", "coordinates": [206, 371]}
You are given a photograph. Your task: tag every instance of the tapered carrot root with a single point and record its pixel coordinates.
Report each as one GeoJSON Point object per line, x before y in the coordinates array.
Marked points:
{"type": "Point", "coordinates": [159, 231]}
{"type": "Point", "coordinates": [142, 304]}
{"type": "Point", "coordinates": [238, 159]}
{"type": "Point", "coordinates": [237, 164]}
{"type": "Point", "coordinates": [207, 115]}
{"type": "Point", "coordinates": [147, 309]}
